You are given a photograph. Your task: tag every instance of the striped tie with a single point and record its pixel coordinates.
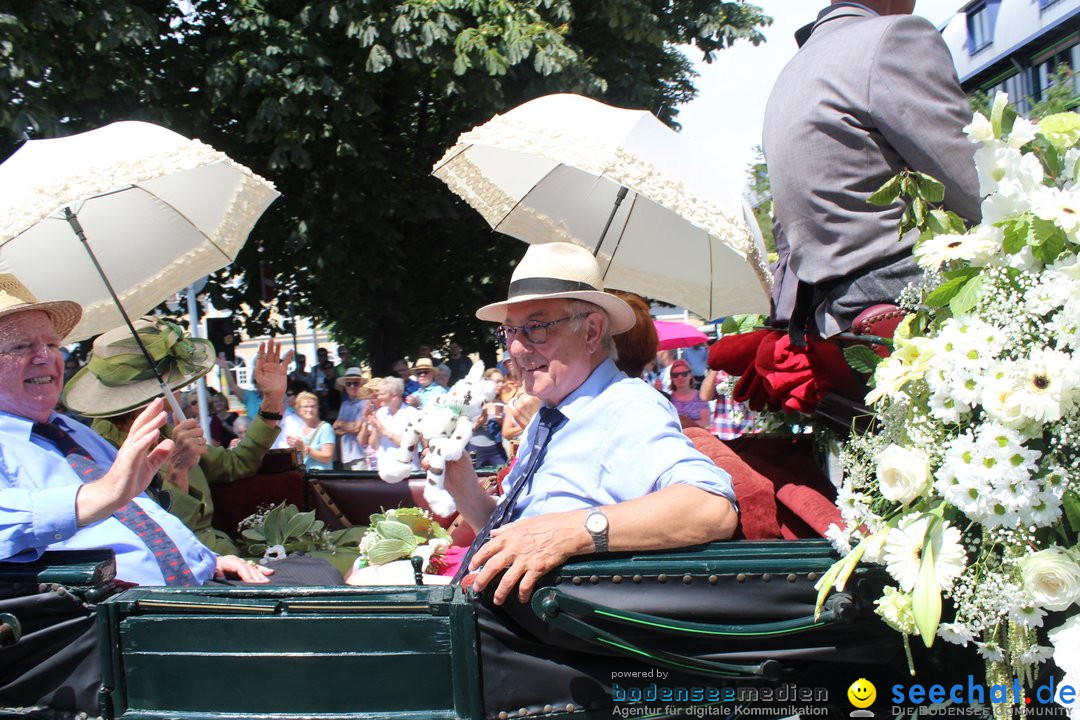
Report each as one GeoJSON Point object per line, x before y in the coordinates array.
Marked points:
{"type": "Point", "coordinates": [550, 419]}
{"type": "Point", "coordinates": [174, 568]}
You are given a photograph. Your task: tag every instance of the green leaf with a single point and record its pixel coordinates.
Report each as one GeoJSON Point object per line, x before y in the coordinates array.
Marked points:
{"type": "Point", "coordinates": [926, 598]}
{"type": "Point", "coordinates": [390, 549]}
{"type": "Point", "coordinates": [1016, 231]}
{"type": "Point", "coordinates": [299, 524]}
{"type": "Point", "coordinates": [274, 527]}
{"type": "Point", "coordinates": [945, 292]}
{"type": "Point", "coordinates": [887, 193]}
{"type": "Point", "coordinates": [967, 297]}
{"type": "Point", "coordinates": [253, 534]}
{"type": "Point", "coordinates": [862, 359]}
{"type": "Point", "coordinates": [1071, 503]}
{"type": "Point", "coordinates": [930, 188]}
{"type": "Point", "coordinates": [392, 529]}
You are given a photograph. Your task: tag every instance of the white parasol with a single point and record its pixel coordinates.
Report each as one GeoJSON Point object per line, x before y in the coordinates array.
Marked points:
{"type": "Point", "coordinates": [153, 210]}
{"type": "Point", "coordinates": [622, 184]}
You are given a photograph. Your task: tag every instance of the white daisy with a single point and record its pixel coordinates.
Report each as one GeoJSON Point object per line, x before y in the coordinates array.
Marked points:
{"type": "Point", "coordinates": [1062, 207]}
{"type": "Point", "coordinates": [955, 633]}
{"type": "Point", "coordinates": [1027, 614]}
{"type": "Point", "coordinates": [990, 651]}
{"type": "Point", "coordinates": [1047, 385]}
{"type": "Point", "coordinates": [904, 550]}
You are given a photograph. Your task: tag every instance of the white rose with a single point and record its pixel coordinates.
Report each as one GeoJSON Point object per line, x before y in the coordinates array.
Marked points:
{"type": "Point", "coordinates": [903, 474]}
{"type": "Point", "coordinates": [1066, 641]}
{"type": "Point", "coordinates": [1052, 578]}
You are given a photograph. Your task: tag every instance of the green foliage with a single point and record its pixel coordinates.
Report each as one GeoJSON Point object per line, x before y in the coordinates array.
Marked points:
{"type": "Point", "coordinates": [861, 359]}
{"type": "Point", "coordinates": [1060, 96]}
{"type": "Point", "coordinates": [345, 106]}
{"type": "Point", "coordinates": [737, 324]}
{"type": "Point", "coordinates": [760, 197]}
{"type": "Point", "coordinates": [285, 527]}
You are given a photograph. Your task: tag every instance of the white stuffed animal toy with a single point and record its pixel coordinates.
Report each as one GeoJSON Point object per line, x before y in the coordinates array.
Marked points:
{"type": "Point", "coordinates": [446, 424]}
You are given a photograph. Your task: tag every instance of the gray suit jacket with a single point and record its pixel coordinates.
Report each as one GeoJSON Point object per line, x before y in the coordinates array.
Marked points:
{"type": "Point", "coordinates": [865, 97]}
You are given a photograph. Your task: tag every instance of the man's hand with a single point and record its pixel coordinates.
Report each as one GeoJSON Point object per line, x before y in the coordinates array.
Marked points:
{"type": "Point", "coordinates": [139, 458]}
{"type": "Point", "coordinates": [232, 566]}
{"type": "Point", "coordinates": [528, 549]}
{"type": "Point", "coordinates": [270, 376]}
{"type": "Point", "coordinates": [189, 445]}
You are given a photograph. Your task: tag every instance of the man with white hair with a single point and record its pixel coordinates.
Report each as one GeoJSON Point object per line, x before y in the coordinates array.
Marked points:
{"type": "Point", "coordinates": [604, 465]}
{"type": "Point", "coordinates": [64, 487]}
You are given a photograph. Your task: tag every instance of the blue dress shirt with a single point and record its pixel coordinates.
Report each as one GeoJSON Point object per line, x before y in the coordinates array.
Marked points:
{"type": "Point", "coordinates": [37, 506]}
{"type": "Point", "coordinates": [621, 440]}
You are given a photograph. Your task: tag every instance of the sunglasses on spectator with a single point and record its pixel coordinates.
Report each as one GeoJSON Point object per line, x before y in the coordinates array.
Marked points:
{"type": "Point", "coordinates": [353, 384]}
{"type": "Point", "coordinates": [424, 372]}
{"type": "Point", "coordinates": [535, 332]}
{"type": "Point", "coordinates": [685, 373]}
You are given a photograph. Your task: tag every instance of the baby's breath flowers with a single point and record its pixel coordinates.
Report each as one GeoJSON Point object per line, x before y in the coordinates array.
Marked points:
{"type": "Point", "coordinates": [969, 488]}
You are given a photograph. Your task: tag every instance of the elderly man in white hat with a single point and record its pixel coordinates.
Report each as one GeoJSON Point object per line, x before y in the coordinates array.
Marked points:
{"type": "Point", "coordinates": [604, 465]}
{"type": "Point", "coordinates": [62, 486]}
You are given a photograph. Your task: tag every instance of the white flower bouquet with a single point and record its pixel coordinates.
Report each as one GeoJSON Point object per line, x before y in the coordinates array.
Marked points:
{"type": "Point", "coordinates": [969, 488]}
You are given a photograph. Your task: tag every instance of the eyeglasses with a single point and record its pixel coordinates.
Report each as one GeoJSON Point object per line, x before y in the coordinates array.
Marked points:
{"type": "Point", "coordinates": [680, 374]}
{"type": "Point", "coordinates": [535, 332]}
{"type": "Point", "coordinates": [424, 372]}
{"type": "Point", "coordinates": [353, 384]}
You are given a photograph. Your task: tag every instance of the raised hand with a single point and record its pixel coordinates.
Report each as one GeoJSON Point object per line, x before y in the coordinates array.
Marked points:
{"type": "Point", "coordinates": [139, 458]}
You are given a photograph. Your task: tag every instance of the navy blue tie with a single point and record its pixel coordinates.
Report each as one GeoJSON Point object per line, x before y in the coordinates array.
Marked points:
{"type": "Point", "coordinates": [550, 419]}
{"type": "Point", "coordinates": [173, 567]}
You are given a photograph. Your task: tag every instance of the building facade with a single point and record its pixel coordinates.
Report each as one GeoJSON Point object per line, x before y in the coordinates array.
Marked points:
{"type": "Point", "coordinates": [1014, 46]}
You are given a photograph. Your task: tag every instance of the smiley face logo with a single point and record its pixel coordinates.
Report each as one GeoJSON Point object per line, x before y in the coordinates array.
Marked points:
{"type": "Point", "coordinates": [862, 693]}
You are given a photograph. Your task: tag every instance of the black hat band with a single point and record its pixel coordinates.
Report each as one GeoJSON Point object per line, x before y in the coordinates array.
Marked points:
{"type": "Point", "coordinates": [546, 286]}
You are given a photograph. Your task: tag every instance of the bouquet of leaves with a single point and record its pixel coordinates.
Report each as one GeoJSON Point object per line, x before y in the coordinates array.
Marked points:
{"type": "Point", "coordinates": [969, 489]}
{"type": "Point", "coordinates": [399, 534]}
{"type": "Point", "coordinates": [273, 532]}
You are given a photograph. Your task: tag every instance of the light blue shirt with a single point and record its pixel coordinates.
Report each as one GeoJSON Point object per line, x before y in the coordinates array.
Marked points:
{"type": "Point", "coordinates": [621, 440]}
{"type": "Point", "coordinates": [37, 506]}
{"type": "Point", "coordinates": [323, 434]}
{"type": "Point", "coordinates": [351, 410]}
{"type": "Point", "coordinates": [429, 393]}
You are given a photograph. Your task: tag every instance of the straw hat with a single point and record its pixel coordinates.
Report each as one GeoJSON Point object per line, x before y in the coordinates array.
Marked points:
{"type": "Point", "coordinates": [560, 270]}
{"type": "Point", "coordinates": [16, 298]}
{"type": "Point", "coordinates": [423, 364]}
{"type": "Point", "coordinates": [354, 373]}
{"type": "Point", "coordinates": [117, 378]}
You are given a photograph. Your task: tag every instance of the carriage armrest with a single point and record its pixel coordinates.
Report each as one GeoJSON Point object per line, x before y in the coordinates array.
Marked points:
{"type": "Point", "coordinates": [90, 574]}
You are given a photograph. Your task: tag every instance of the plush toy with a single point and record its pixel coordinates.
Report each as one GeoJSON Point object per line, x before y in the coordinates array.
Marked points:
{"type": "Point", "coordinates": [446, 424]}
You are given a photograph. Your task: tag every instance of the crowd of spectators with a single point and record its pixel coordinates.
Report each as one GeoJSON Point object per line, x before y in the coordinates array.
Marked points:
{"type": "Point", "coordinates": [338, 416]}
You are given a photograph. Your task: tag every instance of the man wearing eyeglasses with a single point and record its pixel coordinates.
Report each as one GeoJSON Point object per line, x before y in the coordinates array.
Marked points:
{"type": "Point", "coordinates": [604, 465]}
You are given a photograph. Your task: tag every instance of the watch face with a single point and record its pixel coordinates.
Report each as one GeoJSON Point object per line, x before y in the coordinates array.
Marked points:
{"type": "Point", "coordinates": [597, 522]}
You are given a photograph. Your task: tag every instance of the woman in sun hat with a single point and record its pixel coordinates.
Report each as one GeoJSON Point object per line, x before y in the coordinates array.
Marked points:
{"type": "Point", "coordinates": [117, 382]}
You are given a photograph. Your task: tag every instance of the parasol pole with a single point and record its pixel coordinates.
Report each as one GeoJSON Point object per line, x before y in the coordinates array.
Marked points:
{"type": "Point", "coordinates": [619, 197]}
{"type": "Point", "coordinates": [76, 226]}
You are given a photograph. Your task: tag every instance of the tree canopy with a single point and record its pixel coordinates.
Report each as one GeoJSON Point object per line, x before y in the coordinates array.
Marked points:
{"type": "Point", "coordinates": [345, 105]}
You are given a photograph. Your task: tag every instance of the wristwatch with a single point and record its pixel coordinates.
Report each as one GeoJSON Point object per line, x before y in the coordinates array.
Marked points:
{"type": "Point", "coordinates": [267, 415]}
{"type": "Point", "coordinates": [596, 523]}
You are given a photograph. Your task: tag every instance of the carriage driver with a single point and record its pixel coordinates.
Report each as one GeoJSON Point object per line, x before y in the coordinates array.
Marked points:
{"type": "Point", "coordinates": [604, 465]}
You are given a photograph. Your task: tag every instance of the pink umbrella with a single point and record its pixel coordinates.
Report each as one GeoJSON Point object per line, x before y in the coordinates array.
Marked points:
{"type": "Point", "coordinates": [677, 335]}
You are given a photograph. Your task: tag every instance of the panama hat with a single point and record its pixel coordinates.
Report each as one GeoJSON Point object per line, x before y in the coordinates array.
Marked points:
{"type": "Point", "coordinates": [423, 364]}
{"type": "Point", "coordinates": [354, 373]}
{"type": "Point", "coordinates": [16, 298]}
{"type": "Point", "coordinates": [559, 270]}
{"type": "Point", "coordinates": [117, 377]}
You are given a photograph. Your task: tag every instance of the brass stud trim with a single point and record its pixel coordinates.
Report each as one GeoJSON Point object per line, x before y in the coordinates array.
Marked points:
{"type": "Point", "coordinates": [713, 579]}
{"type": "Point", "coordinates": [576, 580]}
{"type": "Point", "coordinates": [661, 578]}
{"type": "Point", "coordinates": [616, 579]}
{"type": "Point", "coordinates": [638, 579]}
{"type": "Point", "coordinates": [792, 577]}
{"type": "Point", "coordinates": [766, 577]}
{"type": "Point", "coordinates": [687, 579]}
{"type": "Point", "coordinates": [741, 577]}
{"type": "Point", "coordinates": [594, 579]}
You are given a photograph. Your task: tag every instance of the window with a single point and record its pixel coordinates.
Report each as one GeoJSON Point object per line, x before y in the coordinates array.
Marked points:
{"type": "Point", "coordinates": [980, 26]}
